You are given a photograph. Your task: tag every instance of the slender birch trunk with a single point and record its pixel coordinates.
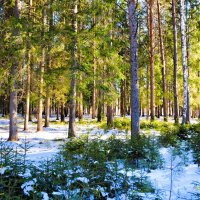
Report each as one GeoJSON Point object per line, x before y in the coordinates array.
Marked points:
{"type": "Point", "coordinates": [184, 61]}
{"type": "Point", "coordinates": [188, 115]}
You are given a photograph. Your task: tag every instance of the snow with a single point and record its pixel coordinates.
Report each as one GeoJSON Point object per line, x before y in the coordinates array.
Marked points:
{"type": "Point", "coordinates": [28, 186]}
{"type": "Point", "coordinates": [3, 169]}
{"type": "Point", "coordinates": [45, 196]}
{"type": "Point", "coordinates": [83, 179]}
{"type": "Point", "coordinates": [44, 145]}
{"type": "Point", "coordinates": [182, 176]}
{"type": "Point", "coordinates": [27, 174]}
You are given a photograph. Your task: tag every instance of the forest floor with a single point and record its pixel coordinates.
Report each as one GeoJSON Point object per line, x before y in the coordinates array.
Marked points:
{"type": "Point", "coordinates": [177, 177]}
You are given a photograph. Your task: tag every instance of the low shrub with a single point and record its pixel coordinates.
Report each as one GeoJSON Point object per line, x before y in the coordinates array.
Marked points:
{"type": "Point", "coordinates": [124, 123]}
{"type": "Point", "coordinates": [194, 132]}
{"type": "Point", "coordinates": [104, 164]}
{"type": "Point", "coordinates": [169, 137]}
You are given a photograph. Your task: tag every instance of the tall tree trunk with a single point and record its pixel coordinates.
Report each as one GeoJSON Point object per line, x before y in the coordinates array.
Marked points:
{"type": "Point", "coordinates": [122, 99]}
{"type": "Point", "coordinates": [66, 110]}
{"type": "Point", "coordinates": [28, 82]}
{"type": "Point", "coordinates": [188, 115]}
{"type": "Point", "coordinates": [40, 101]}
{"type": "Point", "coordinates": [99, 113]}
{"type": "Point", "coordinates": [148, 67]}
{"type": "Point", "coordinates": [30, 112]}
{"type": "Point", "coordinates": [47, 111]}
{"type": "Point", "coordinates": [94, 91]}
{"type": "Point", "coordinates": [72, 114]}
{"type": "Point", "coordinates": [198, 112]}
{"type": "Point", "coordinates": [62, 113]}
{"type": "Point", "coordinates": [13, 134]}
{"type": "Point", "coordinates": [162, 51]}
{"type": "Point", "coordinates": [57, 110]}
{"type": "Point", "coordinates": [42, 66]}
{"type": "Point", "coordinates": [125, 96]}
{"type": "Point", "coordinates": [152, 46]}
{"type": "Point", "coordinates": [184, 61]}
{"type": "Point", "coordinates": [94, 79]}
{"type": "Point", "coordinates": [109, 116]}
{"type": "Point", "coordinates": [175, 87]}
{"type": "Point", "coordinates": [147, 96]}
{"type": "Point", "coordinates": [49, 63]}
{"type": "Point", "coordinates": [80, 106]}
{"type": "Point", "coordinates": [198, 74]}
{"type": "Point", "coordinates": [135, 116]}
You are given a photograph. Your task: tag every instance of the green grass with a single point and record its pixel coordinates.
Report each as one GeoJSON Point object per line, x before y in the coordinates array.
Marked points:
{"type": "Point", "coordinates": [123, 123]}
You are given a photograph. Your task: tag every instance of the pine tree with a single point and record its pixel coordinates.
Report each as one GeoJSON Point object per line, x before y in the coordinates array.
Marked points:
{"type": "Point", "coordinates": [134, 68]}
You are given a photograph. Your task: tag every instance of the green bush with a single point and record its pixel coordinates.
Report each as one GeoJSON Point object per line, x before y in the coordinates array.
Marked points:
{"type": "Point", "coordinates": [83, 169]}
{"type": "Point", "coordinates": [169, 136]}
{"type": "Point", "coordinates": [101, 162]}
{"type": "Point", "coordinates": [123, 123]}
{"type": "Point", "coordinates": [75, 145]}
{"type": "Point", "coordinates": [194, 132]}
{"type": "Point", "coordinates": [157, 125]}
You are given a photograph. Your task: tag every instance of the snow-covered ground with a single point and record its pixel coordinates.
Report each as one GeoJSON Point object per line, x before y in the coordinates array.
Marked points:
{"type": "Point", "coordinates": [178, 176]}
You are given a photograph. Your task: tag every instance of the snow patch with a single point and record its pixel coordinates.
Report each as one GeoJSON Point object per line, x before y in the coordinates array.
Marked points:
{"type": "Point", "coordinates": [44, 196]}
{"type": "Point", "coordinates": [28, 186]}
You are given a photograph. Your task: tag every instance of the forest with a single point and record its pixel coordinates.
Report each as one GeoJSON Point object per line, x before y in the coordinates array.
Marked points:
{"type": "Point", "coordinates": [100, 99]}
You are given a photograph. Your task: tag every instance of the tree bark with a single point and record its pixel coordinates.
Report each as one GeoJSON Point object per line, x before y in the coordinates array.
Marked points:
{"type": "Point", "coordinates": [13, 134]}
{"type": "Point", "coordinates": [147, 96]}
{"type": "Point", "coordinates": [47, 110]}
{"type": "Point", "coordinates": [72, 107]}
{"type": "Point", "coordinates": [109, 116]}
{"type": "Point", "coordinates": [80, 106]}
{"type": "Point", "coordinates": [48, 66]}
{"type": "Point", "coordinates": [99, 113]}
{"type": "Point", "coordinates": [188, 115]}
{"type": "Point", "coordinates": [152, 46]}
{"type": "Point", "coordinates": [94, 83]}
{"type": "Point", "coordinates": [42, 66]}
{"type": "Point", "coordinates": [28, 81]}
{"type": "Point", "coordinates": [30, 113]}
{"type": "Point", "coordinates": [40, 101]}
{"type": "Point", "coordinates": [57, 110]}
{"type": "Point", "coordinates": [175, 86]}
{"type": "Point", "coordinates": [162, 52]}
{"type": "Point", "coordinates": [62, 113]}
{"type": "Point", "coordinates": [184, 62]}
{"type": "Point", "coordinates": [94, 93]}
{"type": "Point", "coordinates": [135, 116]}
{"type": "Point", "coordinates": [122, 99]}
